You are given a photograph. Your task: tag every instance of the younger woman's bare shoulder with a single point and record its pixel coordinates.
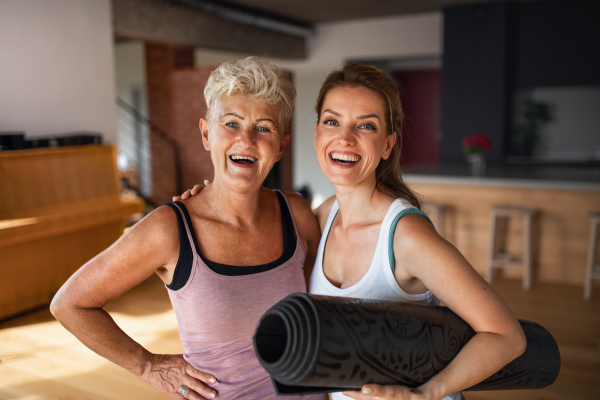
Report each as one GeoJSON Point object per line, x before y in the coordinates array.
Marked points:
{"type": "Point", "coordinates": [322, 212]}
{"type": "Point", "coordinates": [417, 240]}
{"type": "Point", "coordinates": [414, 229]}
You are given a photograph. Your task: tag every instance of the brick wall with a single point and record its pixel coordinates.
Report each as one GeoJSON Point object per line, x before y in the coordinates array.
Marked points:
{"type": "Point", "coordinates": [160, 60]}
{"type": "Point", "coordinates": [286, 167]}
{"type": "Point", "coordinates": [285, 162]}
{"type": "Point", "coordinates": [187, 107]}
{"type": "Point", "coordinates": [159, 63]}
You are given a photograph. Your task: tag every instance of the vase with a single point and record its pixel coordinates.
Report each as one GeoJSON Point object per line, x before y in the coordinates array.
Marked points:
{"type": "Point", "coordinates": [476, 164]}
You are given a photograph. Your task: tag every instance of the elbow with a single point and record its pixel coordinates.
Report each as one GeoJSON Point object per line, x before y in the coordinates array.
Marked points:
{"type": "Point", "coordinates": [58, 307]}
{"type": "Point", "coordinates": [55, 307]}
{"type": "Point", "coordinates": [519, 342]}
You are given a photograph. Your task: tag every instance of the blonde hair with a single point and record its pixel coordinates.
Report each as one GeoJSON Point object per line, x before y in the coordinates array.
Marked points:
{"type": "Point", "coordinates": [256, 78]}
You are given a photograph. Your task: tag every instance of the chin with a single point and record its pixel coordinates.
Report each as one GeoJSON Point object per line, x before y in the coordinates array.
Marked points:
{"type": "Point", "coordinates": [348, 179]}
{"type": "Point", "coordinates": [244, 182]}
{"type": "Point", "coordinates": [341, 180]}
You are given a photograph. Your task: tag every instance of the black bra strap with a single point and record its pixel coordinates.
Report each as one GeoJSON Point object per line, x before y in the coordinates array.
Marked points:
{"type": "Point", "coordinates": [190, 225]}
{"type": "Point", "coordinates": [183, 269]}
{"type": "Point", "coordinates": [289, 234]}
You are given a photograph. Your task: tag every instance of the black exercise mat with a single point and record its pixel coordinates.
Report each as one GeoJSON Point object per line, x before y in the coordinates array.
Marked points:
{"type": "Point", "coordinates": [320, 344]}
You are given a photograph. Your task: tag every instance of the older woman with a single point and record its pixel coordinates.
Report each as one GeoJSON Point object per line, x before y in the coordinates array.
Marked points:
{"type": "Point", "coordinates": [225, 256]}
{"type": "Point", "coordinates": [378, 244]}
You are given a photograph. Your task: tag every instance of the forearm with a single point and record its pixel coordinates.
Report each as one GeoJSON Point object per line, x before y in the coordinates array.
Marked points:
{"type": "Point", "coordinates": [96, 329]}
{"type": "Point", "coordinates": [482, 356]}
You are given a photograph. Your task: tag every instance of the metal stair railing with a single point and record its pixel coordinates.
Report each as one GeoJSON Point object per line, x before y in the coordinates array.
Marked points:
{"type": "Point", "coordinates": [165, 137]}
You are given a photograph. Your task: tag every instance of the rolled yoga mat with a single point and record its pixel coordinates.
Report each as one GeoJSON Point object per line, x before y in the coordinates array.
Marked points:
{"type": "Point", "coordinates": [320, 344]}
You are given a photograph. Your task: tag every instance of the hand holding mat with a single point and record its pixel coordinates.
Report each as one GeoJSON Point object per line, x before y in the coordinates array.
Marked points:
{"type": "Point", "coordinates": [320, 344]}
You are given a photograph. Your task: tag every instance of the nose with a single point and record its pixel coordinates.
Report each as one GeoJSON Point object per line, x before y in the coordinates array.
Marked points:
{"type": "Point", "coordinates": [247, 137]}
{"type": "Point", "coordinates": [346, 136]}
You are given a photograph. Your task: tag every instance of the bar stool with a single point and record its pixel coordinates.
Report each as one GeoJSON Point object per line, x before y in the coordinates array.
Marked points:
{"type": "Point", "coordinates": [438, 218]}
{"type": "Point", "coordinates": [592, 270]}
{"type": "Point", "coordinates": [498, 259]}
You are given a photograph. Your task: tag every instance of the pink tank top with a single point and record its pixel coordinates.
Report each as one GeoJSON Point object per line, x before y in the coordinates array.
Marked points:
{"type": "Point", "coordinates": [217, 315]}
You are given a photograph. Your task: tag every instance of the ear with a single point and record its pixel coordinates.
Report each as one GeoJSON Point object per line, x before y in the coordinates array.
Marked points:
{"type": "Point", "coordinates": [390, 142]}
{"type": "Point", "coordinates": [316, 125]}
{"type": "Point", "coordinates": [284, 141]}
{"type": "Point", "coordinates": [203, 125]}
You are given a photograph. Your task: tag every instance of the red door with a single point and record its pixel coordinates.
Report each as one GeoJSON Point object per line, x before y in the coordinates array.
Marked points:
{"type": "Point", "coordinates": [420, 94]}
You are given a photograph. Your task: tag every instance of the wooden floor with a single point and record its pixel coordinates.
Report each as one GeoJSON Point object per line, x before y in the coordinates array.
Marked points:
{"type": "Point", "coordinates": [41, 360]}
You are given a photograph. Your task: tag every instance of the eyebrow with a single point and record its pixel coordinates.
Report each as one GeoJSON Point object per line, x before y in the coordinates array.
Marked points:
{"type": "Point", "coordinates": [368, 116]}
{"type": "Point", "coordinates": [240, 117]}
{"type": "Point", "coordinates": [359, 117]}
{"type": "Point", "coordinates": [234, 114]}
{"type": "Point", "coordinates": [332, 112]}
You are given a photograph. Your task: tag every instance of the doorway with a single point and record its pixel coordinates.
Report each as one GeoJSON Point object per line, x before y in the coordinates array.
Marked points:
{"type": "Point", "coordinates": [420, 92]}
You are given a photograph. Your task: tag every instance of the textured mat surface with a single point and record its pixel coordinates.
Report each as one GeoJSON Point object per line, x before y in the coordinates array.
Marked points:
{"type": "Point", "coordinates": [312, 344]}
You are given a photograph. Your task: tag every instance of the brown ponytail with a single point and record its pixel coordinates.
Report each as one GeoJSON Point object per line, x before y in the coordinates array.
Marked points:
{"type": "Point", "coordinates": [387, 175]}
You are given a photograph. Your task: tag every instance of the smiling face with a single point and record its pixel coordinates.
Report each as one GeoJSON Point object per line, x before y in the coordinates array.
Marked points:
{"type": "Point", "coordinates": [351, 136]}
{"type": "Point", "coordinates": [245, 139]}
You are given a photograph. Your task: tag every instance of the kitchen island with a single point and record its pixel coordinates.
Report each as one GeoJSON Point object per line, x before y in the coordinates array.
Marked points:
{"type": "Point", "coordinates": [561, 230]}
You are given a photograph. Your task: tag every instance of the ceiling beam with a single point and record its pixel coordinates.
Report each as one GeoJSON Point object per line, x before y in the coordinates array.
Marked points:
{"type": "Point", "coordinates": [159, 21]}
{"type": "Point", "coordinates": [236, 13]}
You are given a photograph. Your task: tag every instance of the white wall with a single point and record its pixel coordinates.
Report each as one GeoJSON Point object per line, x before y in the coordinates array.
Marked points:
{"type": "Point", "coordinates": [130, 69]}
{"type": "Point", "coordinates": [56, 68]}
{"type": "Point", "coordinates": [390, 38]}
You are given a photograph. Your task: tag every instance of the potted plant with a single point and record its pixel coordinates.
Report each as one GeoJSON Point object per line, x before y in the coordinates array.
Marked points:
{"type": "Point", "coordinates": [526, 135]}
{"type": "Point", "coordinates": [474, 148]}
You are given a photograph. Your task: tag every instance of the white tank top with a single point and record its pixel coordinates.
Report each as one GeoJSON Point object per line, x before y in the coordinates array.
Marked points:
{"type": "Point", "coordinates": [379, 282]}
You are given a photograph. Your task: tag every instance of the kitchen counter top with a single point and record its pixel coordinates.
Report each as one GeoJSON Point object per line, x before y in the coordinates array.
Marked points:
{"type": "Point", "coordinates": [542, 177]}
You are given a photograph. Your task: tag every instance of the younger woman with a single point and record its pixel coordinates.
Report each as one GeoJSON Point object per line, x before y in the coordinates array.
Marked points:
{"type": "Point", "coordinates": [376, 243]}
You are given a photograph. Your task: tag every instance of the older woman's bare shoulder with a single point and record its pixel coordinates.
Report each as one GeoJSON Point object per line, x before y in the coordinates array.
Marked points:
{"type": "Point", "coordinates": [159, 226]}
{"type": "Point", "coordinates": [149, 245]}
{"type": "Point", "coordinates": [296, 200]}
{"type": "Point", "coordinates": [300, 207]}
{"type": "Point", "coordinates": [305, 219]}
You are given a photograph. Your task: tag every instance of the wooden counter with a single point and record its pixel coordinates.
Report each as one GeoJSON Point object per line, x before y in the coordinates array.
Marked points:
{"type": "Point", "coordinates": [560, 232]}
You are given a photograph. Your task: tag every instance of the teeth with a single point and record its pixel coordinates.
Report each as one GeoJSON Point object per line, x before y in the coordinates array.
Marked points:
{"type": "Point", "coordinates": [243, 158]}
{"type": "Point", "coordinates": [345, 157]}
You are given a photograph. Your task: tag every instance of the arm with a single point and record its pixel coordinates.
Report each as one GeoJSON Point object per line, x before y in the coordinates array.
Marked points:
{"type": "Point", "coordinates": [309, 231]}
{"type": "Point", "coordinates": [442, 269]}
{"type": "Point", "coordinates": [152, 245]}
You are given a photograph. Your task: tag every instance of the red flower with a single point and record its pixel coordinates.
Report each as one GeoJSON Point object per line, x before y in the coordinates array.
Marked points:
{"type": "Point", "coordinates": [477, 143]}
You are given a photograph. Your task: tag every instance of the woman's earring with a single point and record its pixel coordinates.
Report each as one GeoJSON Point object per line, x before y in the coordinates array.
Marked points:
{"type": "Point", "coordinates": [384, 155]}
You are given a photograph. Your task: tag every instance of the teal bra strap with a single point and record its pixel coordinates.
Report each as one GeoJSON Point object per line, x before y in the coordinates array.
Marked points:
{"type": "Point", "coordinates": [393, 228]}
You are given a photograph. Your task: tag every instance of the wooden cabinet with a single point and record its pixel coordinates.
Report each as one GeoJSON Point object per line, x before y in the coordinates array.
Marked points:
{"type": "Point", "coordinates": [58, 209]}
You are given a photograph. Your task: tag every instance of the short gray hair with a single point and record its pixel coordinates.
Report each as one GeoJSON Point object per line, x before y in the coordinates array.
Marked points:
{"type": "Point", "coordinates": [256, 78]}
